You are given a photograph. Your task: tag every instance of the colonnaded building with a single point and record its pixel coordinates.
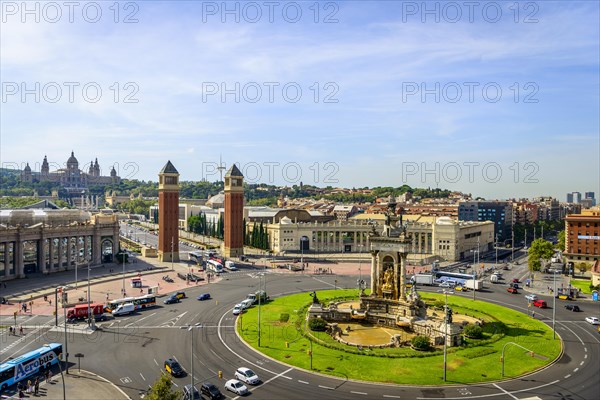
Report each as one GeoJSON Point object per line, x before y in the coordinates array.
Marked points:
{"type": "Point", "coordinates": [440, 238]}
{"type": "Point", "coordinates": [46, 241]}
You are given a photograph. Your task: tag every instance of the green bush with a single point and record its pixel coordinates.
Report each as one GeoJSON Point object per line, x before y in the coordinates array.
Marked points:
{"type": "Point", "coordinates": [420, 342]}
{"type": "Point", "coordinates": [473, 331]}
{"type": "Point", "coordinates": [439, 304]}
{"type": "Point", "coordinates": [317, 324]}
{"type": "Point", "coordinates": [284, 317]}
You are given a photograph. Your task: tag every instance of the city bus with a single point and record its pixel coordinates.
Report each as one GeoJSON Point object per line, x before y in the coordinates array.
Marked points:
{"type": "Point", "coordinates": [443, 276]}
{"type": "Point", "coordinates": [22, 367]}
{"type": "Point", "coordinates": [141, 302]}
{"type": "Point", "coordinates": [196, 256]}
{"type": "Point", "coordinates": [214, 266]}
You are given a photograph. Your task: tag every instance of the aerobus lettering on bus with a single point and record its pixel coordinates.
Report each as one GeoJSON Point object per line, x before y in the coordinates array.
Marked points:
{"type": "Point", "coordinates": [19, 368]}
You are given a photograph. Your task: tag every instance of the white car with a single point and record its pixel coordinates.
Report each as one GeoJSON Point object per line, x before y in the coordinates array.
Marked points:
{"type": "Point", "coordinates": [237, 309]}
{"type": "Point", "coordinates": [531, 297]}
{"type": "Point", "coordinates": [247, 375]}
{"type": "Point", "coordinates": [235, 386]}
{"type": "Point", "coordinates": [593, 320]}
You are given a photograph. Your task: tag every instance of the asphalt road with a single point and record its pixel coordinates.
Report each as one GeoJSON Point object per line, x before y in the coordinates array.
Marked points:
{"type": "Point", "coordinates": [130, 351]}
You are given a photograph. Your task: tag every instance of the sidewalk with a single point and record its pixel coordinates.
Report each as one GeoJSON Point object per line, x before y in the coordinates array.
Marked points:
{"type": "Point", "coordinates": [78, 385]}
{"type": "Point", "coordinates": [544, 286]}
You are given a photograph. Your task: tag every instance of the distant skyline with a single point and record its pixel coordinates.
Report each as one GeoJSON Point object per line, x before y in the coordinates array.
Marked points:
{"type": "Point", "coordinates": [496, 102]}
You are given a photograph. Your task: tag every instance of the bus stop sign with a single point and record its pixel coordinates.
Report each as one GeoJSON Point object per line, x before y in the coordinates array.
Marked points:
{"type": "Point", "coordinates": [595, 295]}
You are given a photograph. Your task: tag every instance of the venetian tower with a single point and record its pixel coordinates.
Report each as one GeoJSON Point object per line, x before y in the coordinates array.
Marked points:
{"type": "Point", "coordinates": [168, 213]}
{"type": "Point", "coordinates": [233, 243]}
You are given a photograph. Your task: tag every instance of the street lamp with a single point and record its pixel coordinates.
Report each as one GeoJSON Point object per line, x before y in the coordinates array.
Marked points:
{"type": "Point", "coordinates": [63, 291]}
{"type": "Point", "coordinates": [123, 257]}
{"type": "Point", "coordinates": [360, 246]}
{"type": "Point", "coordinates": [554, 308]}
{"type": "Point", "coordinates": [191, 328]}
{"type": "Point", "coordinates": [518, 345]}
{"type": "Point", "coordinates": [260, 275]}
{"type": "Point", "coordinates": [446, 293]}
{"type": "Point", "coordinates": [91, 320]}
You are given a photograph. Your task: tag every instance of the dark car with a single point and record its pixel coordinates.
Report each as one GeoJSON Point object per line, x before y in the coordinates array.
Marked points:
{"type": "Point", "coordinates": [204, 296]}
{"type": "Point", "coordinates": [211, 391]}
{"type": "Point", "coordinates": [171, 299]}
{"type": "Point", "coordinates": [572, 307]}
{"type": "Point", "coordinates": [189, 395]}
{"type": "Point", "coordinates": [101, 317]}
{"type": "Point", "coordinates": [173, 367]}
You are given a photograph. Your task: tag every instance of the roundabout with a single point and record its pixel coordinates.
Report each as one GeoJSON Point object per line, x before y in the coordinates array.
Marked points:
{"type": "Point", "coordinates": [286, 337]}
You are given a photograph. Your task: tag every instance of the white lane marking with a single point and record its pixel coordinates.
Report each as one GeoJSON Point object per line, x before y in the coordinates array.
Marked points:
{"type": "Point", "coordinates": [576, 369]}
{"type": "Point", "coordinates": [358, 392]}
{"type": "Point", "coordinates": [585, 356]}
{"type": "Point", "coordinates": [567, 376]}
{"type": "Point", "coordinates": [585, 349]}
{"type": "Point", "coordinates": [508, 393]}
{"type": "Point", "coordinates": [391, 396]}
{"type": "Point", "coordinates": [326, 387]}
{"type": "Point", "coordinates": [138, 320]}
{"type": "Point", "coordinates": [322, 281]}
{"type": "Point", "coordinates": [581, 363]}
{"type": "Point", "coordinates": [299, 381]}
{"type": "Point", "coordinates": [495, 394]}
{"type": "Point", "coordinates": [142, 376]}
{"type": "Point", "coordinates": [155, 362]}
{"type": "Point", "coordinates": [216, 355]}
{"type": "Point", "coordinates": [276, 376]}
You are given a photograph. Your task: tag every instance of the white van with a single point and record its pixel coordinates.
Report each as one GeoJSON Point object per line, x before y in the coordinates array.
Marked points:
{"type": "Point", "coordinates": [126, 308]}
{"type": "Point", "coordinates": [246, 304]}
{"type": "Point", "coordinates": [230, 265]}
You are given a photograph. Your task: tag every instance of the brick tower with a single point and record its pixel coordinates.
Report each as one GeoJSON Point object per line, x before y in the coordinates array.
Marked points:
{"type": "Point", "coordinates": [168, 213]}
{"type": "Point", "coordinates": [233, 243]}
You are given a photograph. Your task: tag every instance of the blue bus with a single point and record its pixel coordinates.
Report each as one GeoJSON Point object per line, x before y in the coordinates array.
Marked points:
{"type": "Point", "coordinates": [22, 367]}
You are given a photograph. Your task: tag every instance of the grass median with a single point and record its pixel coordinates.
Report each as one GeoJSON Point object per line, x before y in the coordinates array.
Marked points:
{"type": "Point", "coordinates": [283, 338]}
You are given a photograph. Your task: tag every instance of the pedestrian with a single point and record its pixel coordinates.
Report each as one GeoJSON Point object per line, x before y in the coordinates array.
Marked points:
{"type": "Point", "coordinates": [10, 330]}
{"type": "Point", "coordinates": [21, 330]}
{"type": "Point", "coordinates": [36, 387]}
{"type": "Point", "coordinates": [50, 301]}
{"type": "Point", "coordinates": [21, 394]}
{"type": "Point", "coordinates": [106, 296]}
{"type": "Point", "coordinates": [4, 285]}
{"type": "Point", "coordinates": [47, 375]}
{"type": "Point", "coordinates": [533, 314]}
{"type": "Point", "coordinates": [29, 386]}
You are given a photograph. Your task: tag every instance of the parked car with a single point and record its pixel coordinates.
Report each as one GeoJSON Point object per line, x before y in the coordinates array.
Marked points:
{"type": "Point", "coordinates": [593, 320]}
{"type": "Point", "coordinates": [211, 391]}
{"type": "Point", "coordinates": [173, 367]}
{"type": "Point", "coordinates": [171, 299]}
{"type": "Point", "coordinates": [246, 304]}
{"type": "Point", "coordinates": [573, 307]}
{"type": "Point", "coordinates": [189, 395]}
{"type": "Point", "coordinates": [531, 297]}
{"type": "Point", "coordinates": [235, 386]}
{"type": "Point", "coordinates": [204, 296]}
{"type": "Point", "coordinates": [445, 285]}
{"type": "Point", "coordinates": [247, 375]}
{"type": "Point", "coordinates": [101, 317]}
{"type": "Point", "coordinates": [540, 303]}
{"type": "Point", "coordinates": [237, 309]}
{"type": "Point", "coordinates": [512, 290]}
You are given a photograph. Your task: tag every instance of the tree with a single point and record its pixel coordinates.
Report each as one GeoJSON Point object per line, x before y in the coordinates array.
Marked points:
{"type": "Point", "coordinates": [473, 331]}
{"type": "Point", "coordinates": [420, 342]}
{"type": "Point", "coordinates": [163, 389]}
{"type": "Point", "coordinates": [583, 267]}
{"type": "Point", "coordinates": [540, 250]}
{"type": "Point", "coordinates": [561, 240]}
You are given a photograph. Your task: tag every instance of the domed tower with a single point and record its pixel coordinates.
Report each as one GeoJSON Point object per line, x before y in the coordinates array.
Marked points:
{"type": "Point", "coordinates": [113, 175]}
{"type": "Point", "coordinates": [26, 175]}
{"type": "Point", "coordinates": [72, 163]}
{"type": "Point", "coordinates": [45, 168]}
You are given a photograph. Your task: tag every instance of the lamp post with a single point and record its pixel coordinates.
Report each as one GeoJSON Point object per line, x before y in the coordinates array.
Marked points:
{"type": "Point", "coordinates": [504, 347]}
{"type": "Point", "coordinates": [554, 308]}
{"type": "Point", "coordinates": [496, 246]}
{"type": "Point", "coordinates": [64, 289]}
{"type": "Point", "coordinates": [191, 328]}
{"type": "Point", "coordinates": [260, 276]}
{"type": "Point", "coordinates": [123, 257]}
{"type": "Point", "coordinates": [446, 293]}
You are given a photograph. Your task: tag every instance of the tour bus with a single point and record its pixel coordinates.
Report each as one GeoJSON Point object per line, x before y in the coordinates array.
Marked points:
{"type": "Point", "coordinates": [196, 256]}
{"type": "Point", "coordinates": [214, 266]}
{"type": "Point", "coordinates": [22, 367]}
{"type": "Point", "coordinates": [140, 302]}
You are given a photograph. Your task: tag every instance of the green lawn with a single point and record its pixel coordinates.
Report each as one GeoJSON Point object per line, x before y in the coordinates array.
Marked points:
{"type": "Point", "coordinates": [403, 366]}
{"type": "Point", "coordinates": [583, 284]}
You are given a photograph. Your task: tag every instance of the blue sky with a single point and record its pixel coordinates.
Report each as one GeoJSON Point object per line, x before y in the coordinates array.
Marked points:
{"type": "Point", "coordinates": [369, 122]}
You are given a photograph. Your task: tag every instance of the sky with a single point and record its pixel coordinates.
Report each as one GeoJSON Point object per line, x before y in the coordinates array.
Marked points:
{"type": "Point", "coordinates": [497, 99]}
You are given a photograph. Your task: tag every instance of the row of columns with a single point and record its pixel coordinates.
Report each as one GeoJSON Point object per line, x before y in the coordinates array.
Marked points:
{"type": "Point", "coordinates": [326, 240]}
{"type": "Point", "coordinates": [420, 243]}
{"type": "Point", "coordinates": [13, 262]}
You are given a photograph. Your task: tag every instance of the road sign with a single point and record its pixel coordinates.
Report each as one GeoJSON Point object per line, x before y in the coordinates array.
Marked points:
{"type": "Point", "coordinates": [595, 295]}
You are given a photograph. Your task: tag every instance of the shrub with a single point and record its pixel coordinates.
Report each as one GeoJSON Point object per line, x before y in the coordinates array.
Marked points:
{"type": "Point", "coordinates": [473, 331]}
{"type": "Point", "coordinates": [284, 317]}
{"type": "Point", "coordinates": [420, 342]}
{"type": "Point", "coordinates": [317, 324]}
{"type": "Point", "coordinates": [439, 304]}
